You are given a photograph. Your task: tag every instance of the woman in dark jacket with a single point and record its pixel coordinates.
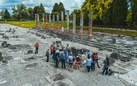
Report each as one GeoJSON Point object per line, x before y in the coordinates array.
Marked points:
{"type": "Point", "coordinates": [106, 65]}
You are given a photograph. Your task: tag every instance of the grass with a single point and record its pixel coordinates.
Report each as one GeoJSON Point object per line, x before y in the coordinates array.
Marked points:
{"type": "Point", "coordinates": [30, 24]}
{"type": "Point", "coordinates": [25, 24]}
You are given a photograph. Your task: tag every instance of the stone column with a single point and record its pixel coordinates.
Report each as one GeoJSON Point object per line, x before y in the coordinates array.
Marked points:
{"type": "Point", "coordinates": [90, 26]}
{"type": "Point", "coordinates": [81, 24]}
{"type": "Point", "coordinates": [53, 20]}
{"type": "Point", "coordinates": [42, 21]}
{"type": "Point", "coordinates": [67, 20]}
{"type": "Point", "coordinates": [37, 21]}
{"type": "Point", "coordinates": [35, 17]}
{"type": "Point", "coordinates": [74, 23]}
{"type": "Point", "coordinates": [43, 18]}
{"type": "Point", "coordinates": [57, 17]}
{"type": "Point", "coordinates": [50, 21]}
{"type": "Point", "coordinates": [62, 18]}
{"type": "Point", "coordinates": [49, 18]}
{"type": "Point", "coordinates": [46, 22]}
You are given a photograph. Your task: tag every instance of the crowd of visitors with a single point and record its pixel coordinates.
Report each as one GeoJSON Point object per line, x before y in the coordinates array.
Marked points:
{"type": "Point", "coordinates": [65, 56]}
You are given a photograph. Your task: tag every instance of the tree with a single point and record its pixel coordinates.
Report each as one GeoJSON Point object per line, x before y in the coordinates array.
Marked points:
{"type": "Point", "coordinates": [6, 14]}
{"type": "Point", "coordinates": [2, 14]}
{"type": "Point", "coordinates": [134, 12]}
{"type": "Point", "coordinates": [39, 10]}
{"type": "Point", "coordinates": [20, 12]}
{"type": "Point", "coordinates": [42, 10]}
{"type": "Point", "coordinates": [30, 11]}
{"type": "Point", "coordinates": [55, 8]}
{"type": "Point", "coordinates": [98, 7]}
{"type": "Point", "coordinates": [119, 13]}
{"type": "Point", "coordinates": [61, 8]}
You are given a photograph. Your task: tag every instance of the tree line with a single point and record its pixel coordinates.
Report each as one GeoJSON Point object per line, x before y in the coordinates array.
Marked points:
{"type": "Point", "coordinates": [112, 13]}
{"type": "Point", "coordinates": [22, 13]}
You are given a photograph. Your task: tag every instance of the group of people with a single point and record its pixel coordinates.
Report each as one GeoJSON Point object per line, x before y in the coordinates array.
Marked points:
{"type": "Point", "coordinates": [65, 56]}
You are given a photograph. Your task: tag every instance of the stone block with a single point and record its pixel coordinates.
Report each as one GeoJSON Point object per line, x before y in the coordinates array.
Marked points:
{"type": "Point", "coordinates": [30, 52]}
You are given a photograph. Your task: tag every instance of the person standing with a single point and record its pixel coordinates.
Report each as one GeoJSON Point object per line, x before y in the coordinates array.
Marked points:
{"type": "Point", "coordinates": [51, 49]}
{"type": "Point", "coordinates": [88, 64]}
{"type": "Point", "coordinates": [57, 58]}
{"type": "Point", "coordinates": [77, 62]}
{"type": "Point", "coordinates": [106, 66]}
{"type": "Point", "coordinates": [93, 62]}
{"type": "Point", "coordinates": [62, 57]}
{"type": "Point", "coordinates": [96, 58]}
{"type": "Point", "coordinates": [70, 61]}
{"type": "Point", "coordinates": [36, 48]}
{"type": "Point", "coordinates": [47, 55]}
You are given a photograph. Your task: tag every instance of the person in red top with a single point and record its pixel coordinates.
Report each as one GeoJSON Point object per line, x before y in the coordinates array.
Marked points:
{"type": "Point", "coordinates": [36, 48]}
{"type": "Point", "coordinates": [51, 49]}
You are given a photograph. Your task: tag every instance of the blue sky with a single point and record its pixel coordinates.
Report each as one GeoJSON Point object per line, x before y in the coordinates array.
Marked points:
{"type": "Point", "coordinates": [48, 4]}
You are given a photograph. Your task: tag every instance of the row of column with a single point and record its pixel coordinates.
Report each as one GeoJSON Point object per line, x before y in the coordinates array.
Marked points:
{"type": "Point", "coordinates": [62, 19]}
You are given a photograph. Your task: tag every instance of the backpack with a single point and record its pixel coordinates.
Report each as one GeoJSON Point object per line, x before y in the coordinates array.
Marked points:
{"type": "Point", "coordinates": [70, 61]}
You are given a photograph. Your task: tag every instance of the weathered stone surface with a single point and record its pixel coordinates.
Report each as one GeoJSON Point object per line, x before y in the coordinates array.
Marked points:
{"type": "Point", "coordinates": [5, 37]}
{"type": "Point", "coordinates": [7, 58]}
{"type": "Point", "coordinates": [55, 77]}
{"type": "Point", "coordinates": [125, 58]}
{"type": "Point", "coordinates": [115, 56]}
{"type": "Point", "coordinates": [15, 36]}
{"type": "Point", "coordinates": [27, 84]}
{"type": "Point", "coordinates": [1, 57]}
{"type": "Point", "coordinates": [20, 46]}
{"type": "Point", "coordinates": [29, 66]}
{"type": "Point", "coordinates": [111, 60]}
{"type": "Point", "coordinates": [130, 77]}
{"type": "Point", "coordinates": [4, 44]}
{"type": "Point", "coordinates": [43, 37]}
{"type": "Point", "coordinates": [64, 82]}
{"type": "Point", "coordinates": [31, 58]}
{"type": "Point", "coordinates": [30, 52]}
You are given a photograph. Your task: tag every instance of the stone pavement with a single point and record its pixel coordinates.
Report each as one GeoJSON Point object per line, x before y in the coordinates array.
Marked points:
{"type": "Point", "coordinates": [24, 69]}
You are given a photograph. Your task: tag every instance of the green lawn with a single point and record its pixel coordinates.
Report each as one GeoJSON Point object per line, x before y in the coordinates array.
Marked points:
{"type": "Point", "coordinates": [30, 24]}
{"type": "Point", "coordinates": [25, 24]}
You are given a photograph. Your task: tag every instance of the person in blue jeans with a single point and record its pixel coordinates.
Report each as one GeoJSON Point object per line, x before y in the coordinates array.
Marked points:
{"type": "Point", "coordinates": [88, 64]}
{"type": "Point", "coordinates": [63, 62]}
{"type": "Point", "coordinates": [106, 66]}
{"type": "Point", "coordinates": [47, 55]}
{"type": "Point", "coordinates": [36, 48]}
{"type": "Point", "coordinates": [93, 62]}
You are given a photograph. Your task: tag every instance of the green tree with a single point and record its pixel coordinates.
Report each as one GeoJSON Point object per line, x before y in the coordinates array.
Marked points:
{"type": "Point", "coordinates": [2, 14]}
{"type": "Point", "coordinates": [119, 13]}
{"type": "Point", "coordinates": [6, 14]}
{"type": "Point", "coordinates": [61, 8]}
{"type": "Point", "coordinates": [20, 12]}
{"type": "Point", "coordinates": [42, 10]}
{"type": "Point", "coordinates": [134, 12]}
{"type": "Point", "coordinates": [30, 11]}
{"type": "Point", "coordinates": [55, 8]}
{"type": "Point", "coordinates": [39, 10]}
{"type": "Point", "coordinates": [98, 7]}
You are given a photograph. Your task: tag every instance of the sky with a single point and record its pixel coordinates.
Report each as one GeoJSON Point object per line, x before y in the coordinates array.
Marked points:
{"type": "Point", "coordinates": [48, 4]}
